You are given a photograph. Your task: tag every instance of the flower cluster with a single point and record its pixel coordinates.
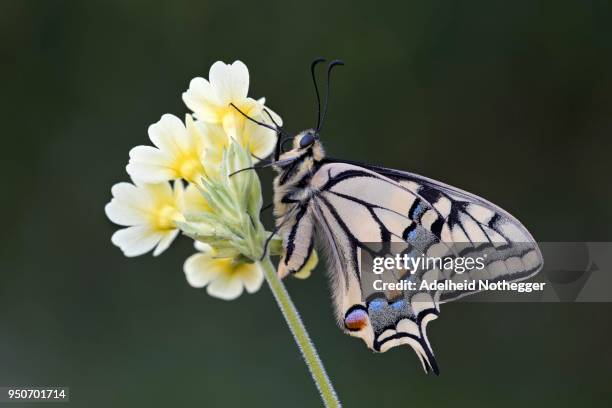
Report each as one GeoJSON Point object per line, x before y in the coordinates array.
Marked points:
{"type": "Point", "coordinates": [185, 182]}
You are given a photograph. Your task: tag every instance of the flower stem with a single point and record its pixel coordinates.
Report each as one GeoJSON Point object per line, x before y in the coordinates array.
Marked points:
{"type": "Point", "coordinates": [315, 366]}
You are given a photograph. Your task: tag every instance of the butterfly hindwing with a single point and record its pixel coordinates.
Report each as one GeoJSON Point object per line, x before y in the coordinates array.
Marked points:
{"type": "Point", "coordinates": [298, 238]}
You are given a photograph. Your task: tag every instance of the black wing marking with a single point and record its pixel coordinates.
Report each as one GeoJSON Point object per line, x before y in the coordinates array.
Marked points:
{"type": "Point", "coordinates": [298, 239]}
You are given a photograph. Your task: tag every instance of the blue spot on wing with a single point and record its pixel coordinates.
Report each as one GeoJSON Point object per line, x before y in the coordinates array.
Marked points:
{"type": "Point", "coordinates": [410, 232]}
{"type": "Point", "coordinates": [416, 209]}
{"type": "Point", "coordinates": [377, 304]}
{"type": "Point", "coordinates": [419, 210]}
{"type": "Point", "coordinates": [399, 305]}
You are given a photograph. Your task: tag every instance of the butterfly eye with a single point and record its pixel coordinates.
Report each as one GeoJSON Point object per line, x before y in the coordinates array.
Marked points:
{"type": "Point", "coordinates": [356, 320]}
{"type": "Point", "coordinates": [306, 140]}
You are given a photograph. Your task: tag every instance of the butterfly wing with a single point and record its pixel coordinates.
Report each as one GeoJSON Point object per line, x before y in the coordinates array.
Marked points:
{"type": "Point", "coordinates": [354, 205]}
{"type": "Point", "coordinates": [471, 224]}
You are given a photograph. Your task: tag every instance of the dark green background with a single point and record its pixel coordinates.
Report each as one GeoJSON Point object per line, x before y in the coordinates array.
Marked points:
{"type": "Point", "coordinates": [510, 101]}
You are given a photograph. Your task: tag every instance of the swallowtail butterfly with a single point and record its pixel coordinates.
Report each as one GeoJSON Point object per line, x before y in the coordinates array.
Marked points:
{"type": "Point", "coordinates": [340, 205]}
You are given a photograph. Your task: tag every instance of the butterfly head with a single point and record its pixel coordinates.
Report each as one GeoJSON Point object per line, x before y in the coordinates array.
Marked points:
{"type": "Point", "coordinates": [306, 146]}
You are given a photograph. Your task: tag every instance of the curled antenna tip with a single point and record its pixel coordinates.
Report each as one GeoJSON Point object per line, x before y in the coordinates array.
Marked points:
{"type": "Point", "coordinates": [313, 65]}
{"type": "Point", "coordinates": [331, 65]}
{"type": "Point", "coordinates": [317, 61]}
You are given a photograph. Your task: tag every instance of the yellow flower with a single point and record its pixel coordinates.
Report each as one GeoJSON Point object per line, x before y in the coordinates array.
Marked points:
{"type": "Point", "coordinates": [224, 278]}
{"type": "Point", "coordinates": [218, 210]}
{"type": "Point", "coordinates": [150, 213]}
{"type": "Point", "coordinates": [210, 101]}
{"type": "Point", "coordinates": [178, 152]}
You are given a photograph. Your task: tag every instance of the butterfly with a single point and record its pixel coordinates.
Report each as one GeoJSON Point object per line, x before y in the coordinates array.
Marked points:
{"type": "Point", "coordinates": [340, 205]}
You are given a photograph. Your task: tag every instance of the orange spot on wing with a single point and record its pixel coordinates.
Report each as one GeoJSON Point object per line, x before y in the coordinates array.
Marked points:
{"type": "Point", "coordinates": [356, 320]}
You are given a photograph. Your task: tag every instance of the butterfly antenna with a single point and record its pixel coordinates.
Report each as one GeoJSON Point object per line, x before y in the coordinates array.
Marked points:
{"type": "Point", "coordinates": [279, 127]}
{"type": "Point", "coordinates": [316, 87]}
{"type": "Point", "coordinates": [329, 70]}
{"type": "Point", "coordinates": [261, 166]}
{"type": "Point", "coordinates": [276, 129]}
{"type": "Point", "coordinates": [279, 131]}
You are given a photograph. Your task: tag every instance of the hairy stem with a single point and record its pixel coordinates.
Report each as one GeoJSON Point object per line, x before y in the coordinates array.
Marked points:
{"type": "Point", "coordinates": [292, 317]}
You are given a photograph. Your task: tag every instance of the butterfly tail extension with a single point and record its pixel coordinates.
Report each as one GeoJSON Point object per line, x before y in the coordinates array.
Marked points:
{"type": "Point", "coordinates": [427, 356]}
{"type": "Point", "coordinates": [428, 360]}
{"type": "Point", "coordinates": [413, 333]}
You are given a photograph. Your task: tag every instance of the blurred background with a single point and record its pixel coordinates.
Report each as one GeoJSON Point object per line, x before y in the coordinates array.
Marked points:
{"type": "Point", "coordinates": [509, 101]}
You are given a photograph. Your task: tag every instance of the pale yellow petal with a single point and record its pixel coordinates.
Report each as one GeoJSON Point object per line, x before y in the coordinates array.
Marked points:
{"type": "Point", "coordinates": [165, 132]}
{"type": "Point", "coordinates": [200, 269]}
{"type": "Point", "coordinates": [202, 247]}
{"type": "Point", "coordinates": [214, 137]}
{"type": "Point", "coordinates": [252, 276]}
{"type": "Point", "coordinates": [150, 165]}
{"type": "Point", "coordinates": [165, 242]}
{"type": "Point", "coordinates": [232, 125]}
{"type": "Point", "coordinates": [150, 173]}
{"type": "Point", "coordinates": [131, 194]}
{"type": "Point", "coordinates": [159, 193]}
{"type": "Point", "coordinates": [266, 118]}
{"type": "Point", "coordinates": [122, 213]}
{"type": "Point", "coordinates": [215, 141]}
{"type": "Point", "coordinates": [226, 287]}
{"type": "Point", "coordinates": [196, 131]}
{"type": "Point", "coordinates": [260, 141]}
{"type": "Point", "coordinates": [202, 100]}
{"type": "Point", "coordinates": [230, 82]}
{"type": "Point", "coordinates": [135, 241]}
{"type": "Point", "coordinates": [251, 108]}
{"type": "Point", "coordinates": [129, 205]}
